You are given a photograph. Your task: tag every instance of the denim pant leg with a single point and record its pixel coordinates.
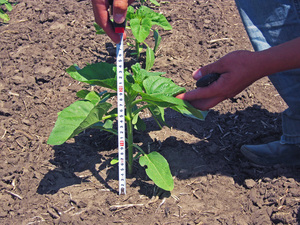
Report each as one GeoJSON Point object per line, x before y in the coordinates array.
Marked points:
{"type": "Point", "coordinates": [270, 23]}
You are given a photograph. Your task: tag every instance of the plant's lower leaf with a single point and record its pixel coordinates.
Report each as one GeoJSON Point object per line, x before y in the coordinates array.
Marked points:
{"type": "Point", "coordinates": [158, 170]}
{"type": "Point", "coordinates": [140, 124]}
{"type": "Point", "coordinates": [190, 112]}
{"type": "Point", "coordinates": [102, 74]}
{"type": "Point", "coordinates": [179, 105]}
{"type": "Point", "coordinates": [74, 119]}
{"type": "Point", "coordinates": [158, 114]}
{"type": "Point", "coordinates": [150, 58]}
{"type": "Point", "coordinates": [157, 39]}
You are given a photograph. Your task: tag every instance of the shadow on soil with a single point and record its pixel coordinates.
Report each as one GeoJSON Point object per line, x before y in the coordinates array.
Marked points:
{"type": "Point", "coordinates": [215, 150]}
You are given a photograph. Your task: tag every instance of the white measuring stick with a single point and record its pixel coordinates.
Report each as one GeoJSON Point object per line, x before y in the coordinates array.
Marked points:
{"type": "Point", "coordinates": [121, 118]}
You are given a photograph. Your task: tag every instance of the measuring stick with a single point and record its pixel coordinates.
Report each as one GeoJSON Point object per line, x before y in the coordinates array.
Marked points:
{"type": "Point", "coordinates": [121, 114]}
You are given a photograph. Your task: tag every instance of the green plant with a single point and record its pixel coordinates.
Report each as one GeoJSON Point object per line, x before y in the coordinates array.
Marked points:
{"type": "Point", "coordinates": [143, 90]}
{"type": "Point", "coordinates": [140, 22]}
{"type": "Point", "coordinates": [8, 7]}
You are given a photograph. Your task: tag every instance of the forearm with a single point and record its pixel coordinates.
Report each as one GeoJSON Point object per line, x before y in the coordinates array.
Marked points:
{"type": "Point", "coordinates": [279, 58]}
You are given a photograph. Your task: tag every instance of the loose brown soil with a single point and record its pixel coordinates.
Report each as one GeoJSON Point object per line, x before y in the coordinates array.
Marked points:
{"type": "Point", "coordinates": [75, 184]}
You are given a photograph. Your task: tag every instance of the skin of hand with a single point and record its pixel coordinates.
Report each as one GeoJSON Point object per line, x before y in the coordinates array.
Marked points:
{"type": "Point", "coordinates": [240, 69]}
{"type": "Point", "coordinates": [102, 15]}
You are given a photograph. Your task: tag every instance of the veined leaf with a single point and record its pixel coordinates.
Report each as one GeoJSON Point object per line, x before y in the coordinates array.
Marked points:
{"type": "Point", "coordinates": [140, 28]}
{"type": "Point", "coordinates": [140, 74]}
{"type": "Point", "coordinates": [102, 74]}
{"type": "Point", "coordinates": [150, 58]}
{"type": "Point", "coordinates": [160, 20]}
{"type": "Point", "coordinates": [76, 118]}
{"type": "Point", "coordinates": [157, 85]}
{"type": "Point", "coordinates": [174, 103]}
{"type": "Point", "coordinates": [158, 170]}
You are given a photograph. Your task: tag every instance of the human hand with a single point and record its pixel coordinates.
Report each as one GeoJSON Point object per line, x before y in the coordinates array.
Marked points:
{"type": "Point", "coordinates": [102, 15]}
{"type": "Point", "coordinates": [238, 70]}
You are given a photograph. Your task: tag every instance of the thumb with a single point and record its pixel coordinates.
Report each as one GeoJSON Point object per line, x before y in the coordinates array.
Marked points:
{"type": "Point", "coordinates": [210, 68]}
{"type": "Point", "coordinates": [120, 10]}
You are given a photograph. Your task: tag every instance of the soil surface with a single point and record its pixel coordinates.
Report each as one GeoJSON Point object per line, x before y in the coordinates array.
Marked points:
{"type": "Point", "coordinates": [75, 184]}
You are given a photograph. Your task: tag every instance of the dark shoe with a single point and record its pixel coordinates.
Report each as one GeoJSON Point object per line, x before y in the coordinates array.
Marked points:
{"type": "Point", "coordinates": [272, 154]}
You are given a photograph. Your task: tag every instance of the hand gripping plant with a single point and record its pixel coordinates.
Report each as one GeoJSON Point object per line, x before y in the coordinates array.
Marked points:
{"type": "Point", "coordinates": [143, 90]}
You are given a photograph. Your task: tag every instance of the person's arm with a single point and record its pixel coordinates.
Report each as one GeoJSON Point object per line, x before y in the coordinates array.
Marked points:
{"type": "Point", "coordinates": [240, 69]}
{"type": "Point", "coordinates": [102, 16]}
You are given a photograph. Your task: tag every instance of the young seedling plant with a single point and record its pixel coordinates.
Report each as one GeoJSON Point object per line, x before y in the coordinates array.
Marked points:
{"type": "Point", "coordinates": [140, 22]}
{"type": "Point", "coordinates": [143, 90]}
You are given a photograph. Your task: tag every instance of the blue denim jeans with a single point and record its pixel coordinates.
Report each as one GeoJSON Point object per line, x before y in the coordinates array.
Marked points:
{"type": "Point", "coordinates": [270, 23]}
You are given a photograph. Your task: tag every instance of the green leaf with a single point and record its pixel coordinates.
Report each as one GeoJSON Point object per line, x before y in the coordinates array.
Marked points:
{"type": "Point", "coordinates": [82, 93]}
{"type": "Point", "coordinates": [160, 20]}
{"type": "Point", "coordinates": [130, 13]}
{"type": "Point", "coordinates": [114, 161]}
{"type": "Point", "coordinates": [174, 103]}
{"type": "Point", "coordinates": [98, 29]}
{"type": "Point", "coordinates": [159, 115]}
{"type": "Point", "coordinates": [150, 58]}
{"type": "Point", "coordinates": [157, 39]}
{"type": "Point", "coordinates": [157, 85]}
{"type": "Point", "coordinates": [102, 74]}
{"type": "Point", "coordinates": [76, 118]}
{"type": "Point", "coordinates": [4, 16]}
{"type": "Point", "coordinates": [140, 74]}
{"type": "Point", "coordinates": [158, 170]}
{"type": "Point", "coordinates": [8, 6]}
{"type": "Point", "coordinates": [140, 28]}
{"type": "Point", "coordinates": [155, 2]}
{"type": "Point", "coordinates": [93, 97]}
{"type": "Point", "coordinates": [140, 124]}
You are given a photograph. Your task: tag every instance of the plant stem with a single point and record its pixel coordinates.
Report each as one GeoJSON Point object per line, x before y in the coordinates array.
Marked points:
{"type": "Point", "coordinates": [137, 48]}
{"type": "Point", "coordinates": [129, 139]}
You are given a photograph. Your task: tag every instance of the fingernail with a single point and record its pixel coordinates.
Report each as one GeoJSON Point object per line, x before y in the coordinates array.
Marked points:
{"type": "Point", "coordinates": [197, 74]}
{"type": "Point", "coordinates": [119, 18]}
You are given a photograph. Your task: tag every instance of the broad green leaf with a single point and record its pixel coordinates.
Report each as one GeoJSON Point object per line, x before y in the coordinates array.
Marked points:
{"type": "Point", "coordinates": [102, 74]}
{"type": "Point", "coordinates": [174, 103]}
{"type": "Point", "coordinates": [158, 170]}
{"type": "Point", "coordinates": [190, 112]}
{"type": "Point", "coordinates": [160, 20]}
{"type": "Point", "coordinates": [157, 85]}
{"type": "Point", "coordinates": [130, 13]}
{"type": "Point", "coordinates": [140, 28]}
{"type": "Point", "coordinates": [93, 97]}
{"type": "Point", "coordinates": [140, 74]}
{"type": "Point", "coordinates": [150, 58]}
{"type": "Point", "coordinates": [76, 118]}
{"type": "Point", "coordinates": [157, 39]}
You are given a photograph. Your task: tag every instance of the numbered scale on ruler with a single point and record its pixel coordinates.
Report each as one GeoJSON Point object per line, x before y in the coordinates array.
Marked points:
{"type": "Point", "coordinates": [121, 117]}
